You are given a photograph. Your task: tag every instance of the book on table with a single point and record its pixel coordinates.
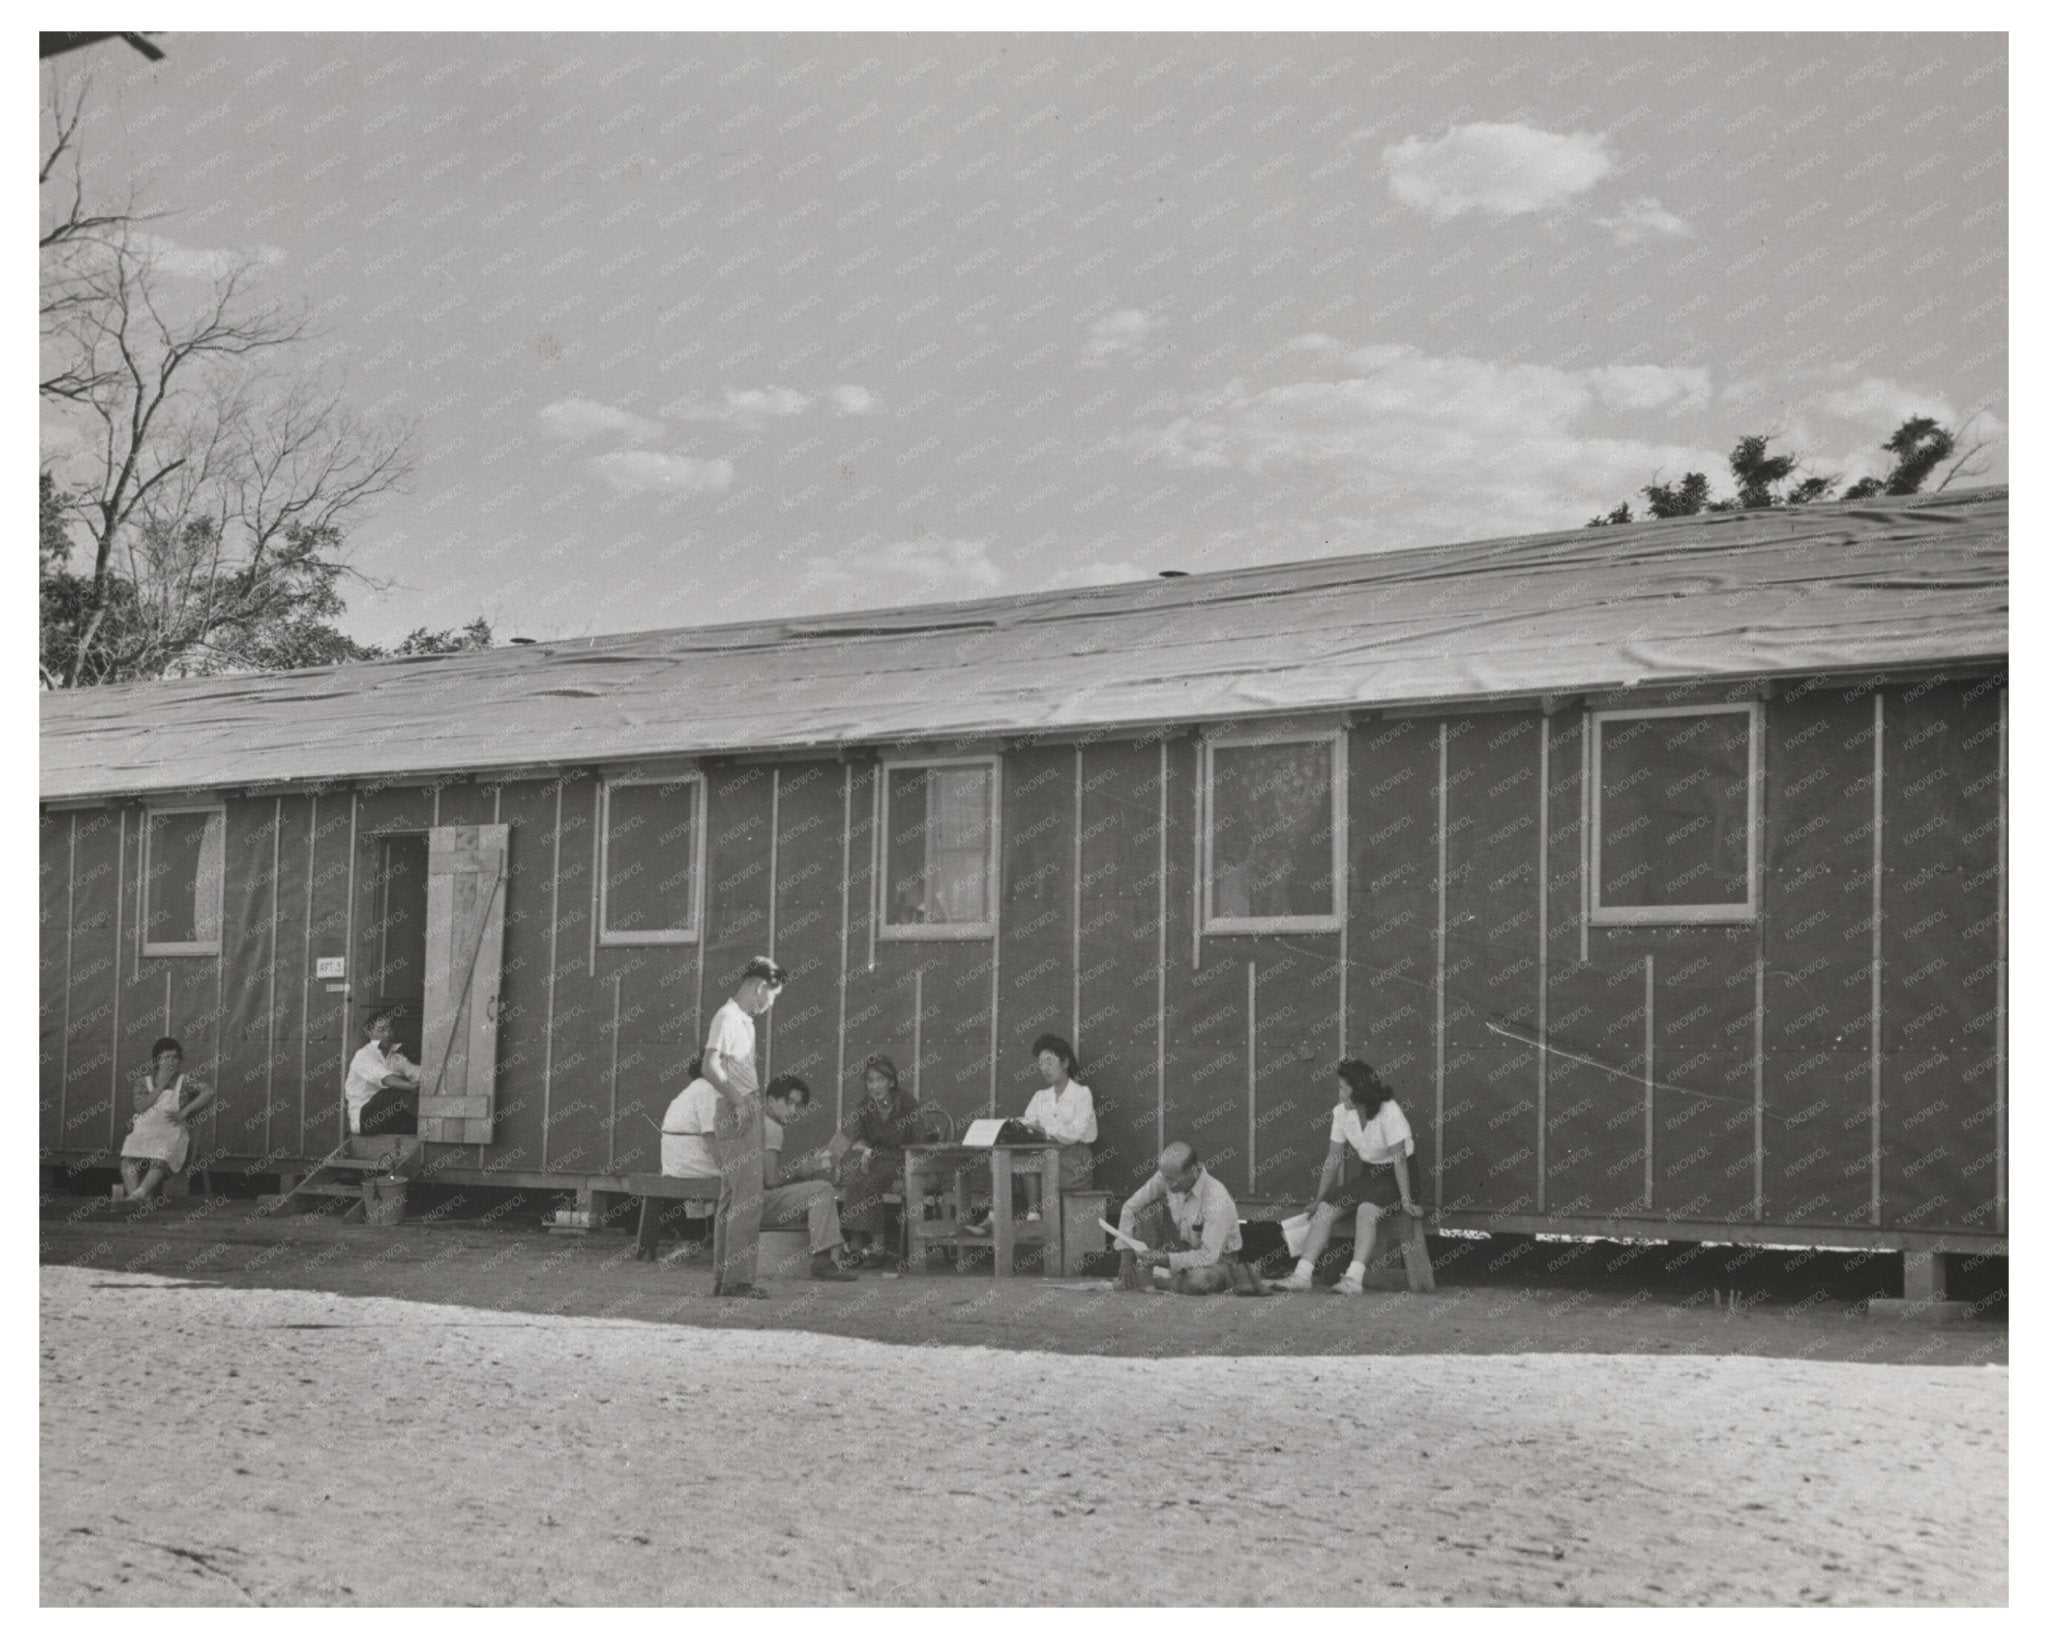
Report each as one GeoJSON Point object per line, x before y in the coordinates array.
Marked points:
{"type": "Point", "coordinates": [993, 1130]}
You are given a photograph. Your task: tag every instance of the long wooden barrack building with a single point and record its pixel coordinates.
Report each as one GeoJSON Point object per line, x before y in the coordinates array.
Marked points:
{"type": "Point", "coordinates": [1660, 867]}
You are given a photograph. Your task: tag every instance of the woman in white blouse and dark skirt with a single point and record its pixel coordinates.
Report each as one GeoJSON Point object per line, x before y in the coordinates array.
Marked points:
{"type": "Point", "coordinates": [1368, 1122]}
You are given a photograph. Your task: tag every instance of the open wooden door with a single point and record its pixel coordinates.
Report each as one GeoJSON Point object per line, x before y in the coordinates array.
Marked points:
{"type": "Point", "coordinates": [465, 953]}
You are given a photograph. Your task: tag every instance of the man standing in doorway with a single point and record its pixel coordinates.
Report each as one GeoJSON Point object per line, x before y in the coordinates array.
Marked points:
{"type": "Point", "coordinates": [740, 1130]}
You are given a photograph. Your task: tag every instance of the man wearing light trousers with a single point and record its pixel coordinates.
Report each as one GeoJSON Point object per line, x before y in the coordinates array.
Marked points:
{"type": "Point", "coordinates": [740, 1131]}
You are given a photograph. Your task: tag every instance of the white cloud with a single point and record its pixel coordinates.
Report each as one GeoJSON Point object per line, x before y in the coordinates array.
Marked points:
{"type": "Point", "coordinates": [1644, 219]}
{"type": "Point", "coordinates": [1315, 342]}
{"type": "Point", "coordinates": [194, 262]}
{"type": "Point", "coordinates": [651, 470]}
{"type": "Point", "coordinates": [1503, 170]}
{"type": "Point", "coordinates": [1494, 447]}
{"type": "Point", "coordinates": [587, 418]}
{"type": "Point", "coordinates": [747, 406]}
{"type": "Point", "coordinates": [1379, 355]}
{"type": "Point", "coordinates": [757, 406]}
{"type": "Point", "coordinates": [1650, 386]}
{"type": "Point", "coordinates": [1881, 403]}
{"type": "Point", "coordinates": [930, 569]}
{"type": "Point", "coordinates": [1120, 332]}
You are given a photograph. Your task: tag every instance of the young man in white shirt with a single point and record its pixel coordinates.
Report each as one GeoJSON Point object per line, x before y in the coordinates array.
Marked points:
{"type": "Point", "coordinates": [809, 1201]}
{"type": "Point", "coordinates": [739, 1131]}
{"type": "Point", "coordinates": [382, 1086]}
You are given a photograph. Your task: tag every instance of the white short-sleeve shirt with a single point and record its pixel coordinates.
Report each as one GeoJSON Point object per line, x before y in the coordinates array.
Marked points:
{"type": "Point", "coordinates": [365, 1080]}
{"type": "Point", "coordinates": [1379, 1140]}
{"type": "Point", "coordinates": [732, 1035]}
{"type": "Point", "coordinates": [686, 1131]}
{"type": "Point", "coordinates": [1067, 1117]}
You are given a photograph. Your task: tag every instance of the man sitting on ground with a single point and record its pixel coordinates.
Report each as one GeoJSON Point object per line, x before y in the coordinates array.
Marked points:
{"type": "Point", "coordinates": [382, 1089]}
{"type": "Point", "coordinates": [1188, 1222]}
{"type": "Point", "coordinates": [809, 1201]}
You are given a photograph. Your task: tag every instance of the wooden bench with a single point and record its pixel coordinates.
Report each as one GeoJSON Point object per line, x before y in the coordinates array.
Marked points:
{"type": "Point", "coordinates": [1396, 1230]}
{"type": "Point", "coordinates": [1411, 1236]}
{"type": "Point", "coordinates": [651, 1189]}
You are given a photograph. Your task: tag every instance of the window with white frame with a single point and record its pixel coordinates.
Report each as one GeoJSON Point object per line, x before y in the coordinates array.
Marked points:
{"type": "Point", "coordinates": [1273, 833]}
{"type": "Point", "coordinates": [650, 860]}
{"type": "Point", "coordinates": [1674, 832]}
{"type": "Point", "coordinates": [939, 839]}
{"type": "Point", "coordinates": [184, 857]}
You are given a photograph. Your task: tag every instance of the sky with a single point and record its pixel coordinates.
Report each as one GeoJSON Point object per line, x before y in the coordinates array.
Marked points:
{"type": "Point", "coordinates": [703, 328]}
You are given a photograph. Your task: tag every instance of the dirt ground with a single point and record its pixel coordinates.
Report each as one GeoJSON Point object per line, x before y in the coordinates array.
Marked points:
{"type": "Point", "coordinates": [295, 1411]}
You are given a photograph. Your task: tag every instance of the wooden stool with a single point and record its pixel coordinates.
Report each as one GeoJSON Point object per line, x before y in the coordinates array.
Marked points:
{"type": "Point", "coordinates": [1080, 1228]}
{"type": "Point", "coordinates": [785, 1254]}
{"type": "Point", "coordinates": [1409, 1234]}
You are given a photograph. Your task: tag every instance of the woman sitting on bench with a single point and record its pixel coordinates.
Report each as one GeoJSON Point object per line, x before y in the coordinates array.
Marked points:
{"type": "Point", "coordinates": [1369, 1122]}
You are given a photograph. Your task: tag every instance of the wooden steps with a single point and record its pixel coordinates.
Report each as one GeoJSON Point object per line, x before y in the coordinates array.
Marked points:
{"type": "Point", "coordinates": [344, 1173]}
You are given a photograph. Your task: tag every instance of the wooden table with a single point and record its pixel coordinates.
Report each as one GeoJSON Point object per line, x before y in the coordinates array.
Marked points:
{"type": "Point", "coordinates": [924, 1164]}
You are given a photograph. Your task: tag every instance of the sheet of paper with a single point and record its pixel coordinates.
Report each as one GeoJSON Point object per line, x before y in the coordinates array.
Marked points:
{"type": "Point", "coordinates": [1121, 1238]}
{"type": "Point", "coordinates": [983, 1133]}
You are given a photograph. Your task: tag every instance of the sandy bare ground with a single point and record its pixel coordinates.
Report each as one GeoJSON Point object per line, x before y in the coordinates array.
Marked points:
{"type": "Point", "coordinates": [209, 1444]}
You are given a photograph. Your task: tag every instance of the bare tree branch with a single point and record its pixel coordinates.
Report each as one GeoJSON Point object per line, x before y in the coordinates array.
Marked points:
{"type": "Point", "coordinates": [218, 482]}
{"type": "Point", "coordinates": [1961, 467]}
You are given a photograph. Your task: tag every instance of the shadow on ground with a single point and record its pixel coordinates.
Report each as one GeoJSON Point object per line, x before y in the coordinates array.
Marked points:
{"type": "Point", "coordinates": [1498, 1295]}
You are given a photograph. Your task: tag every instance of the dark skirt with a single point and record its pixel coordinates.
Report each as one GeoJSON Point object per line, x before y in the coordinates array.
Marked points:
{"type": "Point", "coordinates": [1373, 1186]}
{"type": "Point", "coordinates": [861, 1189]}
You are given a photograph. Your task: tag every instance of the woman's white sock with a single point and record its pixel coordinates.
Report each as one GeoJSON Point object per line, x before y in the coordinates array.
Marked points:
{"type": "Point", "coordinates": [1302, 1266]}
{"type": "Point", "coordinates": [1354, 1270]}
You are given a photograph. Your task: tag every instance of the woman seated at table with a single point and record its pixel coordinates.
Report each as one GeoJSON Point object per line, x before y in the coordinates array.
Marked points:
{"type": "Point", "coordinates": [869, 1151]}
{"type": "Point", "coordinates": [160, 1140]}
{"type": "Point", "coordinates": [1063, 1110]}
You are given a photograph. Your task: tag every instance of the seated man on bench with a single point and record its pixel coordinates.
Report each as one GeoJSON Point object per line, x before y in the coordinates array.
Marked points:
{"type": "Point", "coordinates": [687, 1129]}
{"type": "Point", "coordinates": [787, 1200]}
{"type": "Point", "coordinates": [1188, 1222]}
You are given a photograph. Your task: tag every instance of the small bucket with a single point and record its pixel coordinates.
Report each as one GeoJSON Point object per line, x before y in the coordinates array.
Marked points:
{"type": "Point", "coordinates": [384, 1202]}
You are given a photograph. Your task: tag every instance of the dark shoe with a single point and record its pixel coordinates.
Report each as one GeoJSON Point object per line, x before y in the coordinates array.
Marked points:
{"type": "Point", "coordinates": [739, 1289]}
{"type": "Point", "coordinates": [1245, 1282]}
{"type": "Point", "coordinates": [823, 1268]}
